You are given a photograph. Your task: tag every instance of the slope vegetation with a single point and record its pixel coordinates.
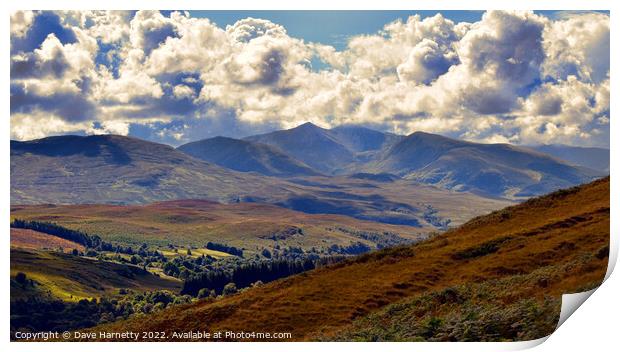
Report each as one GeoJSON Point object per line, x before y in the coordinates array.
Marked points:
{"type": "Point", "coordinates": [195, 222]}
{"type": "Point", "coordinates": [72, 278]}
{"type": "Point", "coordinates": [519, 259]}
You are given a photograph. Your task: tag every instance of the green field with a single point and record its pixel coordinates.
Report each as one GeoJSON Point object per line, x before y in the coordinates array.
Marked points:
{"type": "Point", "coordinates": [72, 278]}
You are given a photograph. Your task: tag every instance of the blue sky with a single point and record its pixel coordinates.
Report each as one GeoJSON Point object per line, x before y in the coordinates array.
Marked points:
{"type": "Point", "coordinates": [334, 27]}
{"type": "Point", "coordinates": [331, 27]}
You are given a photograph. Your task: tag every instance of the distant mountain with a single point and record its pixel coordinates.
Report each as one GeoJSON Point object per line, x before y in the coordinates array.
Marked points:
{"type": "Point", "coordinates": [247, 156]}
{"type": "Point", "coordinates": [122, 170]}
{"type": "Point", "coordinates": [593, 158]}
{"type": "Point", "coordinates": [117, 169]}
{"type": "Point", "coordinates": [495, 169]}
{"type": "Point", "coordinates": [313, 145]}
{"type": "Point", "coordinates": [362, 139]}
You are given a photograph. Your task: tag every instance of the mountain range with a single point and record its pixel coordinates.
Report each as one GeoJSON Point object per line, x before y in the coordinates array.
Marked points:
{"type": "Point", "coordinates": [347, 170]}
{"type": "Point", "coordinates": [499, 170]}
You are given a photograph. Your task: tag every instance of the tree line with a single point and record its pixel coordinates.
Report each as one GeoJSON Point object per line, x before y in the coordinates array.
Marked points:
{"type": "Point", "coordinates": [249, 273]}
{"type": "Point", "coordinates": [224, 248]}
{"type": "Point", "coordinates": [89, 241]}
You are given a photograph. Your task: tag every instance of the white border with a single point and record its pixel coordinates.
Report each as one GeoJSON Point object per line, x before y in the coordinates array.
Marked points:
{"type": "Point", "coordinates": [593, 326]}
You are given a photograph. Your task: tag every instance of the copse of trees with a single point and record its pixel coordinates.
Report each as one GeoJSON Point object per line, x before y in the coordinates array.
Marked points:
{"type": "Point", "coordinates": [224, 248]}
{"type": "Point", "coordinates": [58, 231]}
{"type": "Point", "coordinates": [91, 242]}
{"type": "Point", "coordinates": [245, 274]}
{"type": "Point", "coordinates": [352, 249]}
{"type": "Point", "coordinates": [50, 314]}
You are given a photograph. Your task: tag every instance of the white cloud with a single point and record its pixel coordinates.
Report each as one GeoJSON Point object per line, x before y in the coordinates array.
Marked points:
{"type": "Point", "coordinates": [578, 45]}
{"type": "Point", "coordinates": [20, 22]}
{"type": "Point", "coordinates": [425, 62]}
{"type": "Point", "coordinates": [250, 28]}
{"type": "Point", "coordinates": [39, 124]}
{"type": "Point", "coordinates": [182, 91]}
{"type": "Point", "coordinates": [479, 81]}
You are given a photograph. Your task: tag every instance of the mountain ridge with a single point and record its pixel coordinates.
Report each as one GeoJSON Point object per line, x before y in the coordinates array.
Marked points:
{"type": "Point", "coordinates": [246, 156]}
{"type": "Point", "coordinates": [121, 170]}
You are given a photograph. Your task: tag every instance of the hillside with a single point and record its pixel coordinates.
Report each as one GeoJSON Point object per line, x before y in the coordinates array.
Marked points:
{"type": "Point", "coordinates": [246, 156]}
{"type": "Point", "coordinates": [311, 144]}
{"type": "Point", "coordinates": [195, 222]}
{"type": "Point", "coordinates": [116, 169]}
{"type": "Point", "coordinates": [519, 259]}
{"type": "Point", "coordinates": [71, 278]}
{"type": "Point", "coordinates": [30, 239]}
{"type": "Point", "coordinates": [495, 169]}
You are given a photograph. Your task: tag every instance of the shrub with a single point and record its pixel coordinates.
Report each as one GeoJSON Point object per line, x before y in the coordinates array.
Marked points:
{"type": "Point", "coordinates": [21, 278]}
{"type": "Point", "coordinates": [230, 288]}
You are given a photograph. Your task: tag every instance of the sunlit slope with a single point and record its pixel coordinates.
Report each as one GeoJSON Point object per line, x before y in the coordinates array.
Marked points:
{"type": "Point", "coordinates": [251, 226]}
{"type": "Point", "coordinates": [72, 278]}
{"type": "Point", "coordinates": [536, 250]}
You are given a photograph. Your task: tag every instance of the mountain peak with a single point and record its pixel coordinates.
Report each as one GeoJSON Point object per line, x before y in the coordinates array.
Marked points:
{"type": "Point", "coordinates": [307, 126]}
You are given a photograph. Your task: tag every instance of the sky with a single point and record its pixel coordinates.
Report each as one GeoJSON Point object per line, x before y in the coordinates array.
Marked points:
{"type": "Point", "coordinates": [176, 76]}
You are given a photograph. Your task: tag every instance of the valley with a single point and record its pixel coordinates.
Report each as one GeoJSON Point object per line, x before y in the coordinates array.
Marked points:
{"type": "Point", "coordinates": [192, 224]}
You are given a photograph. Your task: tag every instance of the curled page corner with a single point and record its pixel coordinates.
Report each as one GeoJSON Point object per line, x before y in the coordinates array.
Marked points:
{"type": "Point", "coordinates": [526, 345]}
{"type": "Point", "coordinates": [570, 303]}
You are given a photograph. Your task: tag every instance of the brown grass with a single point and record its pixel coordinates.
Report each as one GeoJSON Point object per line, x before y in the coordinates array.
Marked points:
{"type": "Point", "coordinates": [196, 222]}
{"type": "Point", "coordinates": [541, 233]}
{"type": "Point", "coordinates": [24, 238]}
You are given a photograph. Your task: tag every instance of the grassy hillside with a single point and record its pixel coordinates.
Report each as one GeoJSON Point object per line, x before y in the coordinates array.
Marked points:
{"type": "Point", "coordinates": [477, 278]}
{"type": "Point", "coordinates": [24, 238]}
{"type": "Point", "coordinates": [195, 222]}
{"type": "Point", "coordinates": [72, 278]}
{"type": "Point", "coordinates": [118, 169]}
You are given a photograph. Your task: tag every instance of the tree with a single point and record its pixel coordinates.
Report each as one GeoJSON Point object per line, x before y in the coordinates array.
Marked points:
{"type": "Point", "coordinates": [170, 269]}
{"type": "Point", "coordinates": [230, 288]}
{"type": "Point", "coordinates": [266, 253]}
{"type": "Point", "coordinates": [204, 293]}
{"type": "Point", "coordinates": [21, 278]}
{"type": "Point", "coordinates": [189, 252]}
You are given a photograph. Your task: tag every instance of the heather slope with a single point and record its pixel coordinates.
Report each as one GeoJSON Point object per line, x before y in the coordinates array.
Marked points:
{"type": "Point", "coordinates": [536, 251]}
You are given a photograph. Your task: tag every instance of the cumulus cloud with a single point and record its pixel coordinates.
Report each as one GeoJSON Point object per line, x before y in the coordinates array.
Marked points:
{"type": "Point", "coordinates": [578, 45]}
{"type": "Point", "coordinates": [182, 91]}
{"type": "Point", "coordinates": [510, 77]}
{"type": "Point", "coordinates": [425, 62]}
{"type": "Point", "coordinates": [20, 23]}
{"type": "Point", "coordinates": [250, 28]}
